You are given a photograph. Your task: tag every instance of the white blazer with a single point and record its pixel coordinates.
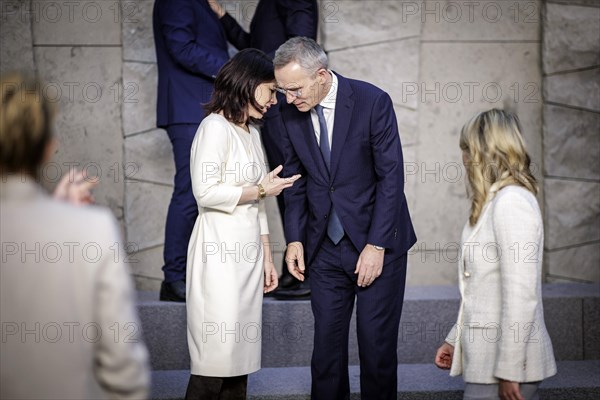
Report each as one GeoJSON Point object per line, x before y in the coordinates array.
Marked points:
{"type": "Point", "coordinates": [500, 330]}
{"type": "Point", "coordinates": [69, 325]}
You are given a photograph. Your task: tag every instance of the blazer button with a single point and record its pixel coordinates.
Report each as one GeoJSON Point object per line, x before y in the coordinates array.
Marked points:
{"type": "Point", "coordinates": [326, 216]}
{"type": "Point", "coordinates": [467, 274]}
{"type": "Point", "coordinates": [332, 189]}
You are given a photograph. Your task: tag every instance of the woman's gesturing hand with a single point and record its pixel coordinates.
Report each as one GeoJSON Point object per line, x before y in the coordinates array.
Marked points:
{"type": "Point", "coordinates": [75, 188]}
{"type": "Point", "coordinates": [443, 357]}
{"type": "Point", "coordinates": [274, 185]}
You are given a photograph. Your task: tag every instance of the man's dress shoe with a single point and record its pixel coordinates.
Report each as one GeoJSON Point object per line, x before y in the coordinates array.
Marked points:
{"type": "Point", "coordinates": [173, 291]}
{"type": "Point", "coordinates": [297, 291]}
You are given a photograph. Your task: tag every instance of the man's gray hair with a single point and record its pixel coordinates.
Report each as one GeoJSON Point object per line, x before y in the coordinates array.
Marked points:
{"type": "Point", "coordinates": [305, 51]}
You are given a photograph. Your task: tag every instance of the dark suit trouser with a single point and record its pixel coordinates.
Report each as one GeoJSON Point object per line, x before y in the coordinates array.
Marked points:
{"type": "Point", "coordinates": [183, 209]}
{"type": "Point", "coordinates": [378, 310]}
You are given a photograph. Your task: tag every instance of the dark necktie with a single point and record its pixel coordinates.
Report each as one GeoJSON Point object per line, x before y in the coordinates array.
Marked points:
{"type": "Point", "coordinates": [335, 231]}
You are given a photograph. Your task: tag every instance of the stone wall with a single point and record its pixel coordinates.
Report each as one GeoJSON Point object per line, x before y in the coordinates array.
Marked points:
{"type": "Point", "coordinates": [571, 132]}
{"type": "Point", "coordinates": [440, 61]}
{"type": "Point", "coordinates": [76, 48]}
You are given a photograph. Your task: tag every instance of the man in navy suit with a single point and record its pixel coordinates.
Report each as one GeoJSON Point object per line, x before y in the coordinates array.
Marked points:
{"type": "Point", "coordinates": [274, 22]}
{"type": "Point", "coordinates": [346, 218]}
{"type": "Point", "coordinates": [191, 47]}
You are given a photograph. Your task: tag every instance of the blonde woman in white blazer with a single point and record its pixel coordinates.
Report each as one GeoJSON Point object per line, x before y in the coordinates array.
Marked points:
{"type": "Point", "coordinates": [499, 343]}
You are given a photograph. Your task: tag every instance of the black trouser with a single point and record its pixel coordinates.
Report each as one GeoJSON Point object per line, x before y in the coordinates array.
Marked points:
{"type": "Point", "coordinates": [215, 388]}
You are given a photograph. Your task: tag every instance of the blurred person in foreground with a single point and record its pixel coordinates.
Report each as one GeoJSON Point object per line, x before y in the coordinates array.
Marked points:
{"type": "Point", "coordinates": [499, 343]}
{"type": "Point", "coordinates": [69, 325]}
{"type": "Point", "coordinates": [230, 264]}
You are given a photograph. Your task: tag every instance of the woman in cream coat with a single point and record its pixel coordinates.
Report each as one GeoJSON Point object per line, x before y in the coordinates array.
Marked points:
{"type": "Point", "coordinates": [229, 259]}
{"type": "Point", "coordinates": [499, 343]}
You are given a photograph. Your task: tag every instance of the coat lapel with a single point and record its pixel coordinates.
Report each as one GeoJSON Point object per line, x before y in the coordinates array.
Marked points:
{"type": "Point", "coordinates": [483, 215]}
{"type": "Point", "coordinates": [343, 111]}
{"type": "Point", "coordinates": [303, 134]}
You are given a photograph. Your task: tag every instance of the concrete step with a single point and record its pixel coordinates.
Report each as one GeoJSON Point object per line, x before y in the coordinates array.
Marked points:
{"type": "Point", "coordinates": [575, 380]}
{"type": "Point", "coordinates": [572, 313]}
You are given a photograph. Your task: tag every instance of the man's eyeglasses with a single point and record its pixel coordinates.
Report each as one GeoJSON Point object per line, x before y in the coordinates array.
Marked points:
{"type": "Point", "coordinates": [286, 92]}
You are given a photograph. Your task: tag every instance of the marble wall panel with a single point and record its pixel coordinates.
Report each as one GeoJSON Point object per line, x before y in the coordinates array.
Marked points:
{"type": "Point", "coordinates": [572, 212]}
{"type": "Point", "coordinates": [77, 22]}
{"type": "Point", "coordinates": [149, 157]}
{"type": "Point", "coordinates": [570, 37]}
{"type": "Point", "coordinates": [16, 40]}
{"type": "Point", "coordinates": [571, 143]}
{"type": "Point", "coordinates": [88, 126]}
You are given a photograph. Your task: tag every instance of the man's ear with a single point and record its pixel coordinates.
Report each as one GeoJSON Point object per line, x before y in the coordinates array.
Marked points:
{"type": "Point", "coordinates": [322, 75]}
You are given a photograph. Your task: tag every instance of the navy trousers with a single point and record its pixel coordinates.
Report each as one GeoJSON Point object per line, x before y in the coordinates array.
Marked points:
{"type": "Point", "coordinates": [378, 310]}
{"type": "Point", "coordinates": [183, 209]}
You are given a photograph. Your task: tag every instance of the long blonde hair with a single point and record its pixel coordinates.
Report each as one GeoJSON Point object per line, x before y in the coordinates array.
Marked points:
{"type": "Point", "coordinates": [495, 154]}
{"type": "Point", "coordinates": [26, 119]}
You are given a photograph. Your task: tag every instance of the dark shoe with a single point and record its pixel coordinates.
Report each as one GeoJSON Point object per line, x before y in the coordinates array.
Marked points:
{"type": "Point", "coordinates": [300, 291]}
{"type": "Point", "coordinates": [173, 291]}
{"type": "Point", "coordinates": [287, 281]}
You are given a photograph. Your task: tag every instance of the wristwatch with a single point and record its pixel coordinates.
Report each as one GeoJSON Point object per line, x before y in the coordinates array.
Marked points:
{"type": "Point", "coordinates": [378, 248]}
{"type": "Point", "coordinates": [261, 192]}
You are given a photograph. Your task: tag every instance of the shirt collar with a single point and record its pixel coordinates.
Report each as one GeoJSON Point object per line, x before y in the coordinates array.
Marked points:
{"type": "Point", "coordinates": [331, 98]}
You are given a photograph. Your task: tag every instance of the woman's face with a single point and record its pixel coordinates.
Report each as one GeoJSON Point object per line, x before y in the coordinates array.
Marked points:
{"type": "Point", "coordinates": [265, 96]}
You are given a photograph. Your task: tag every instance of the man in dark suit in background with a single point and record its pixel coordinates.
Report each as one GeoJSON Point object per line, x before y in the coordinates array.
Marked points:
{"type": "Point", "coordinates": [191, 47]}
{"type": "Point", "coordinates": [346, 218]}
{"type": "Point", "coordinates": [274, 22]}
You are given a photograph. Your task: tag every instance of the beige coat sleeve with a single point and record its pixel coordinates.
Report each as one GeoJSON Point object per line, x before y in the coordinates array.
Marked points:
{"type": "Point", "coordinates": [121, 357]}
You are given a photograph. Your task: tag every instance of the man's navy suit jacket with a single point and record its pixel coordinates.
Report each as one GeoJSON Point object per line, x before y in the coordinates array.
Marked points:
{"type": "Point", "coordinates": [366, 181]}
{"type": "Point", "coordinates": [191, 47]}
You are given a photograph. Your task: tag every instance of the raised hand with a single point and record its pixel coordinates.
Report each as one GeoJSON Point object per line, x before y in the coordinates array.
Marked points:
{"type": "Point", "coordinates": [75, 188]}
{"type": "Point", "coordinates": [274, 185]}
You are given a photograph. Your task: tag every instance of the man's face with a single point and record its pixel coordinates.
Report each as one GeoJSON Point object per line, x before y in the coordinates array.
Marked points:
{"type": "Point", "coordinates": [302, 88]}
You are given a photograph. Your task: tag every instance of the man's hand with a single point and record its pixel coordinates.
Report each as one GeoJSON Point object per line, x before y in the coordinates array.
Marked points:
{"type": "Point", "coordinates": [508, 390]}
{"type": "Point", "coordinates": [216, 7]}
{"type": "Point", "coordinates": [294, 259]}
{"type": "Point", "coordinates": [443, 357]}
{"type": "Point", "coordinates": [369, 265]}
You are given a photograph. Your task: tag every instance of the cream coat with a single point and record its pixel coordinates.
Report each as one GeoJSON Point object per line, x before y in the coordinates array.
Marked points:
{"type": "Point", "coordinates": [225, 259]}
{"type": "Point", "coordinates": [69, 324]}
{"type": "Point", "coordinates": [500, 330]}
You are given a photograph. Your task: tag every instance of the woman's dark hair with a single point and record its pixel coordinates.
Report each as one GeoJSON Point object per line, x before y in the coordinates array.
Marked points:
{"type": "Point", "coordinates": [236, 84]}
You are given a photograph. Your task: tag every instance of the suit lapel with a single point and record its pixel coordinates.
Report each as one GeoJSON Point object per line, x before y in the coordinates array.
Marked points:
{"type": "Point", "coordinates": [343, 111]}
{"type": "Point", "coordinates": [303, 134]}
